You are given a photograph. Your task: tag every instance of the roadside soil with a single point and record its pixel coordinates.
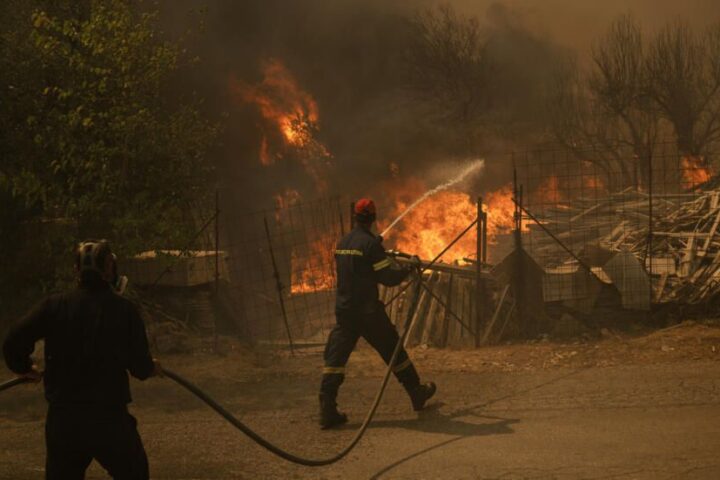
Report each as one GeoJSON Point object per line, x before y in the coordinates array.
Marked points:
{"type": "Point", "coordinates": [640, 406]}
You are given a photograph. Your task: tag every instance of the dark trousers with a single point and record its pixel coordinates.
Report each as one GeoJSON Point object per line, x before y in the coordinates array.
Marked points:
{"type": "Point", "coordinates": [380, 333]}
{"type": "Point", "coordinates": [75, 436]}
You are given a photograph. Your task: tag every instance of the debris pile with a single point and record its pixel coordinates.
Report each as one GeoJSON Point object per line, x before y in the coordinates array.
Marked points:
{"type": "Point", "coordinates": [681, 256]}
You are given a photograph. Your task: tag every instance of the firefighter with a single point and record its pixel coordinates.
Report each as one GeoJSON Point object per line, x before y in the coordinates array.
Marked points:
{"type": "Point", "coordinates": [362, 264]}
{"type": "Point", "coordinates": [93, 337]}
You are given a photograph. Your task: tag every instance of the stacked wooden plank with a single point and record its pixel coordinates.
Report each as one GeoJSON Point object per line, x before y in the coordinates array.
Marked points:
{"type": "Point", "coordinates": [681, 256]}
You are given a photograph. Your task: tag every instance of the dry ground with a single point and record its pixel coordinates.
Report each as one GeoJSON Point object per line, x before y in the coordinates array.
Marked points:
{"type": "Point", "coordinates": [631, 407]}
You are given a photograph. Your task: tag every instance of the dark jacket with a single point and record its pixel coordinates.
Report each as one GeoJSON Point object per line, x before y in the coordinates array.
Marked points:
{"type": "Point", "coordinates": [362, 264]}
{"type": "Point", "coordinates": [93, 337]}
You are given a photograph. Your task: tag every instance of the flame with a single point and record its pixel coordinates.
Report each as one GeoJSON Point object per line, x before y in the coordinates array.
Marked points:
{"type": "Point", "coordinates": [280, 101]}
{"type": "Point", "coordinates": [428, 229]}
{"type": "Point", "coordinates": [694, 170]}
{"type": "Point", "coordinates": [285, 200]}
{"type": "Point", "coordinates": [313, 271]}
{"type": "Point", "coordinates": [501, 212]}
{"type": "Point", "coordinates": [290, 118]}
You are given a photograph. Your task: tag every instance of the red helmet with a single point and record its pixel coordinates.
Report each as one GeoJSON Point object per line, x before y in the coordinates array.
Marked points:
{"type": "Point", "coordinates": [365, 210]}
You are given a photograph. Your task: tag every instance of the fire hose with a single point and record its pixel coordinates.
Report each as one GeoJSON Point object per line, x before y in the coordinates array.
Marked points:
{"type": "Point", "coordinates": [233, 420]}
{"type": "Point", "coordinates": [309, 462]}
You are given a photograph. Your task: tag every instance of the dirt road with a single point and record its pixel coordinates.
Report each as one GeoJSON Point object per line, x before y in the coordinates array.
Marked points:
{"type": "Point", "coordinates": [519, 412]}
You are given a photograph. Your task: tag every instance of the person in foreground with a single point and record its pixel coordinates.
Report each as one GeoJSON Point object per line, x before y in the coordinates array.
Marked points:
{"type": "Point", "coordinates": [361, 264]}
{"type": "Point", "coordinates": [93, 338]}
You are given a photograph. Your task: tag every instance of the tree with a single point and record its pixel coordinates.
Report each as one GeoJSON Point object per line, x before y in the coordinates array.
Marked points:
{"type": "Point", "coordinates": [607, 116]}
{"type": "Point", "coordinates": [638, 91]}
{"type": "Point", "coordinates": [683, 71]}
{"type": "Point", "coordinates": [487, 82]}
{"type": "Point", "coordinates": [94, 133]}
{"type": "Point", "coordinates": [97, 137]}
{"type": "Point", "coordinates": [448, 64]}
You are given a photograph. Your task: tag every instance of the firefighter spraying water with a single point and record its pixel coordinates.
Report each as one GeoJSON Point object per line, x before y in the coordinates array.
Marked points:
{"type": "Point", "coordinates": [473, 167]}
{"type": "Point", "coordinates": [361, 264]}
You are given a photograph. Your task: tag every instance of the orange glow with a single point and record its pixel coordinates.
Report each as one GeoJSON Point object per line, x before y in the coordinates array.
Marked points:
{"type": "Point", "coordinates": [428, 229]}
{"type": "Point", "coordinates": [285, 200]}
{"type": "Point", "coordinates": [290, 121]}
{"type": "Point", "coordinates": [312, 267]}
{"type": "Point", "coordinates": [594, 183]}
{"type": "Point", "coordinates": [549, 191]}
{"type": "Point", "coordinates": [501, 212]}
{"type": "Point", "coordinates": [280, 101]}
{"type": "Point", "coordinates": [694, 170]}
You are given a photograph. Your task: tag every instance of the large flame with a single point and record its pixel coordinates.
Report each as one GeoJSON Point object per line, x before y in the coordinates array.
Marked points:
{"type": "Point", "coordinates": [280, 101]}
{"type": "Point", "coordinates": [290, 120]}
{"type": "Point", "coordinates": [428, 229]}
{"type": "Point", "coordinates": [695, 171]}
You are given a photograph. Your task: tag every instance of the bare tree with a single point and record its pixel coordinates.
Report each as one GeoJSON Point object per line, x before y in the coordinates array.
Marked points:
{"type": "Point", "coordinates": [607, 117]}
{"type": "Point", "coordinates": [448, 64]}
{"type": "Point", "coordinates": [619, 86]}
{"type": "Point", "coordinates": [683, 70]}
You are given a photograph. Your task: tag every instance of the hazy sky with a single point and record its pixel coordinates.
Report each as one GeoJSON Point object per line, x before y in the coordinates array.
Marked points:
{"type": "Point", "coordinates": [579, 22]}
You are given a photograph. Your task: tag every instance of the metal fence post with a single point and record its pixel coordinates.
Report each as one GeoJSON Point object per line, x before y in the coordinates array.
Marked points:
{"type": "Point", "coordinates": [217, 264]}
{"type": "Point", "coordinates": [278, 286]}
{"type": "Point", "coordinates": [479, 287]}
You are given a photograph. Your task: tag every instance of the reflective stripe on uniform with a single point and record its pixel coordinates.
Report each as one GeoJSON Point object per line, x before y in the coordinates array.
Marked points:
{"type": "Point", "coordinates": [381, 264]}
{"type": "Point", "coordinates": [333, 370]}
{"type": "Point", "coordinates": [349, 252]}
{"type": "Point", "coordinates": [399, 368]}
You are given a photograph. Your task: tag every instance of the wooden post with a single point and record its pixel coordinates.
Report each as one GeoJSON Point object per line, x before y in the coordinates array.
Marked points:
{"type": "Point", "coordinates": [446, 319]}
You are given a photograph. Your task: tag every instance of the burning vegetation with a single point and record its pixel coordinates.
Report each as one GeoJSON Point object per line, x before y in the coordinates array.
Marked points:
{"type": "Point", "coordinates": [290, 121]}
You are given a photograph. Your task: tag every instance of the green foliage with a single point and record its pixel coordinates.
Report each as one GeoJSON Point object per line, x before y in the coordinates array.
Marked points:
{"type": "Point", "coordinates": [97, 136]}
{"type": "Point", "coordinates": [101, 136]}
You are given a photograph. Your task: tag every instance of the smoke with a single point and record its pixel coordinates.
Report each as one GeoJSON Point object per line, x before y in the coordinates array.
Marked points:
{"type": "Point", "coordinates": [350, 56]}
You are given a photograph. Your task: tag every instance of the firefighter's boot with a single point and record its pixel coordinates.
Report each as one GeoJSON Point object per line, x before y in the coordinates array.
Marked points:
{"type": "Point", "coordinates": [420, 394]}
{"type": "Point", "coordinates": [329, 415]}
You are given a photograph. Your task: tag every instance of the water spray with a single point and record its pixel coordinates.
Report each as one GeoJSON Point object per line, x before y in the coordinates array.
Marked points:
{"type": "Point", "coordinates": [475, 165]}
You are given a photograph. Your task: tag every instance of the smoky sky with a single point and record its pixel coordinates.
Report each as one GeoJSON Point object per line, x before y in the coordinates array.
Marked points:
{"type": "Point", "coordinates": [350, 56]}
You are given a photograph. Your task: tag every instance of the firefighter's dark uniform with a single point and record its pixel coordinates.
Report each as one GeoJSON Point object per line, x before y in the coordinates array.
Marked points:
{"type": "Point", "coordinates": [93, 337]}
{"type": "Point", "coordinates": [362, 264]}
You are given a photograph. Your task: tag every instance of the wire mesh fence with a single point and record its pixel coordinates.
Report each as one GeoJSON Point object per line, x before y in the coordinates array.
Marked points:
{"type": "Point", "coordinates": [282, 271]}
{"type": "Point", "coordinates": [615, 231]}
{"type": "Point", "coordinates": [603, 235]}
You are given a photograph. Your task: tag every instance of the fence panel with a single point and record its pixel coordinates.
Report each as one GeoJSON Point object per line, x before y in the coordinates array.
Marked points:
{"type": "Point", "coordinates": [620, 234]}
{"type": "Point", "coordinates": [284, 259]}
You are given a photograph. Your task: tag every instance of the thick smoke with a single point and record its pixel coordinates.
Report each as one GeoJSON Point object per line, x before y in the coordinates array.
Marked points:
{"type": "Point", "coordinates": [350, 55]}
